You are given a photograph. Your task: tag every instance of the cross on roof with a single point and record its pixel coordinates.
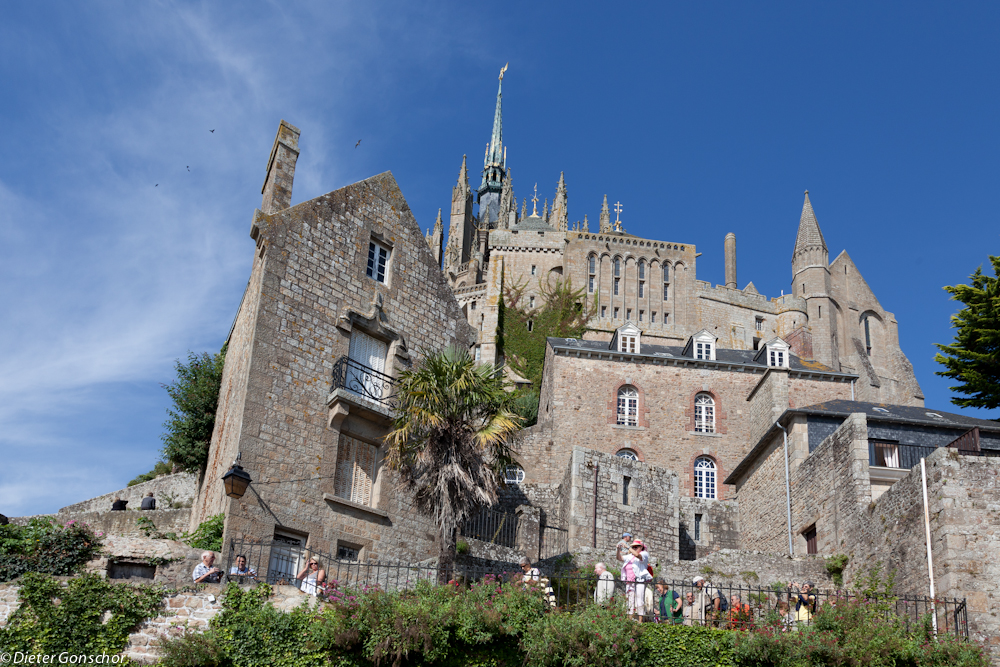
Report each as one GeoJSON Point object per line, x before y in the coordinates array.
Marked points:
{"type": "Point", "coordinates": [534, 203]}
{"type": "Point", "coordinates": [618, 210]}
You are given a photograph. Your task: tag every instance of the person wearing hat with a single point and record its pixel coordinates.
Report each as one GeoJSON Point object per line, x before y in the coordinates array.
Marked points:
{"type": "Point", "coordinates": [708, 601]}
{"type": "Point", "coordinates": [635, 574]}
{"type": "Point", "coordinates": [622, 549]}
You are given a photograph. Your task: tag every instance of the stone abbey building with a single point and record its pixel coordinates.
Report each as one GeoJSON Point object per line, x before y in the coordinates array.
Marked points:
{"type": "Point", "coordinates": [675, 416]}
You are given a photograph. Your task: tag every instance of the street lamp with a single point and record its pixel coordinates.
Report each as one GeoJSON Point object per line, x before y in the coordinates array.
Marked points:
{"type": "Point", "coordinates": [236, 480]}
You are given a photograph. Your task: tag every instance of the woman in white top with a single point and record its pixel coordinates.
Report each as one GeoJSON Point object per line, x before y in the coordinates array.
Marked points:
{"type": "Point", "coordinates": [635, 572]}
{"type": "Point", "coordinates": [312, 577]}
{"type": "Point", "coordinates": [530, 573]}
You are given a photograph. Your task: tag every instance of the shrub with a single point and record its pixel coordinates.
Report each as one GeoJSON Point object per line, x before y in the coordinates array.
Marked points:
{"type": "Point", "coordinates": [47, 547]}
{"type": "Point", "coordinates": [161, 468]}
{"type": "Point", "coordinates": [594, 636]}
{"type": "Point", "coordinates": [195, 396]}
{"type": "Point", "coordinates": [208, 535]}
{"type": "Point", "coordinates": [89, 615]}
{"type": "Point", "coordinates": [667, 645]}
{"type": "Point", "coordinates": [192, 649]}
{"type": "Point", "coordinates": [835, 568]}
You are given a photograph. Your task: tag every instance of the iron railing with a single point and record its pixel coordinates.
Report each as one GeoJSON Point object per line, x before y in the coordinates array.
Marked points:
{"type": "Point", "coordinates": [491, 526]}
{"type": "Point", "coordinates": [366, 382]}
{"type": "Point", "coordinates": [749, 607]}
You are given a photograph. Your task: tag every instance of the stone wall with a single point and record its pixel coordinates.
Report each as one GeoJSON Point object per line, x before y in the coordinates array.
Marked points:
{"type": "Point", "coordinates": [964, 500]}
{"type": "Point", "coordinates": [651, 511]}
{"type": "Point", "coordinates": [718, 527]}
{"type": "Point", "coordinates": [121, 523]}
{"type": "Point", "coordinates": [180, 487]}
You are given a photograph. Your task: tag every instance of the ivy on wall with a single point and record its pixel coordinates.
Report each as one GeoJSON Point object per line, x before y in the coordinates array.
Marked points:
{"type": "Point", "coordinates": [47, 547]}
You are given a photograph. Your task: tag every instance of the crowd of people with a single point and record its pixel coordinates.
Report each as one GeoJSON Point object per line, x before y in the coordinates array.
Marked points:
{"type": "Point", "coordinates": [647, 597]}
{"type": "Point", "coordinates": [704, 604]}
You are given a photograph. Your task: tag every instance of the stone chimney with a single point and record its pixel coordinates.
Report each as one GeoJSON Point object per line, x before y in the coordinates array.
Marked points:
{"type": "Point", "coordinates": [277, 190]}
{"type": "Point", "coordinates": [731, 260]}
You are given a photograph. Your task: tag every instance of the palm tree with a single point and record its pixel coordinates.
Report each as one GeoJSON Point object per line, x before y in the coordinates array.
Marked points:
{"type": "Point", "coordinates": [452, 439]}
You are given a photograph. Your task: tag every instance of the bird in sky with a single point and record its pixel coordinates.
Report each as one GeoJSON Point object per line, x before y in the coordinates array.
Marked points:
{"type": "Point", "coordinates": [357, 144]}
{"type": "Point", "coordinates": [212, 131]}
{"type": "Point", "coordinates": [189, 168]}
{"type": "Point", "coordinates": [157, 185]}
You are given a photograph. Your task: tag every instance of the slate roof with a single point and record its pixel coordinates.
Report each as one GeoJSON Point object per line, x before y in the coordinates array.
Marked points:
{"type": "Point", "coordinates": [723, 357]}
{"type": "Point", "coordinates": [809, 235]}
{"type": "Point", "coordinates": [533, 223]}
{"type": "Point", "coordinates": [893, 414]}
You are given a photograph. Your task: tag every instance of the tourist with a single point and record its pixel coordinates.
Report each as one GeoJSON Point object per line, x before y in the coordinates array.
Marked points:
{"type": "Point", "coordinates": [709, 601]}
{"type": "Point", "coordinates": [805, 602]}
{"type": "Point", "coordinates": [671, 606]}
{"type": "Point", "coordinates": [206, 572]}
{"type": "Point", "coordinates": [635, 572]}
{"type": "Point", "coordinates": [149, 502]}
{"type": "Point", "coordinates": [622, 548]}
{"type": "Point", "coordinates": [739, 613]}
{"type": "Point", "coordinates": [312, 577]}
{"type": "Point", "coordinates": [605, 584]}
{"type": "Point", "coordinates": [241, 570]}
{"type": "Point", "coordinates": [689, 606]}
{"type": "Point", "coordinates": [785, 617]}
{"type": "Point", "coordinates": [530, 573]}
{"type": "Point", "coordinates": [118, 505]}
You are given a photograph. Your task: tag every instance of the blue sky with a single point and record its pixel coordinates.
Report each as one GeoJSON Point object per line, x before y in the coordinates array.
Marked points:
{"type": "Point", "coordinates": [701, 118]}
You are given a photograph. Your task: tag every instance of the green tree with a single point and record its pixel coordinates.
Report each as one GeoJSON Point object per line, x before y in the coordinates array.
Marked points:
{"type": "Point", "coordinates": [451, 438]}
{"type": "Point", "coordinates": [562, 312]}
{"type": "Point", "coordinates": [195, 393]}
{"type": "Point", "coordinates": [973, 360]}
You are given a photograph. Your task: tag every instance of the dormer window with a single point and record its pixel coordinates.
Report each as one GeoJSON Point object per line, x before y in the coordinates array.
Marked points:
{"type": "Point", "coordinates": [627, 339]}
{"type": "Point", "coordinates": [700, 346]}
{"type": "Point", "coordinates": [775, 353]}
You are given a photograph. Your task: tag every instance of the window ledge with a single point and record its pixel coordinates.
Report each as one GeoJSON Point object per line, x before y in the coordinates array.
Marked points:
{"type": "Point", "coordinates": [355, 506]}
{"type": "Point", "coordinates": [628, 428]}
{"type": "Point", "coordinates": [705, 435]}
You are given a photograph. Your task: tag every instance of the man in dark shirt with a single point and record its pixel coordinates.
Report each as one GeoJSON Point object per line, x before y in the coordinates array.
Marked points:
{"type": "Point", "coordinates": [148, 503]}
{"type": "Point", "coordinates": [118, 505]}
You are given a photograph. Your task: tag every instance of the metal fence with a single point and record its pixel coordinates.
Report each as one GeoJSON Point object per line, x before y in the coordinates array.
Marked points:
{"type": "Point", "coordinates": [366, 382]}
{"type": "Point", "coordinates": [746, 608]}
{"type": "Point", "coordinates": [492, 526]}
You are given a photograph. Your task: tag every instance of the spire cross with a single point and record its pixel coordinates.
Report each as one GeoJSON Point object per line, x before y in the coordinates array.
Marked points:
{"type": "Point", "coordinates": [534, 203]}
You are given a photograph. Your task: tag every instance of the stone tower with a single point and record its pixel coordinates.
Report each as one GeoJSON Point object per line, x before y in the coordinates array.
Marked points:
{"type": "Point", "coordinates": [811, 281]}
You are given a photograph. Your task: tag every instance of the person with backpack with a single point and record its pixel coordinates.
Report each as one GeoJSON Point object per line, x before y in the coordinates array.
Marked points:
{"type": "Point", "coordinates": [711, 603]}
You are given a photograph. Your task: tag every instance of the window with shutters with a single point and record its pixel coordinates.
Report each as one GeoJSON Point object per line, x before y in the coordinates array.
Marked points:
{"type": "Point", "coordinates": [810, 536]}
{"type": "Point", "coordinates": [354, 478]}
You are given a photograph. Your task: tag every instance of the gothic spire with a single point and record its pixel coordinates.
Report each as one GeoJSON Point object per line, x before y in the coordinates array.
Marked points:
{"type": "Point", "coordinates": [809, 235]}
{"type": "Point", "coordinates": [605, 217]}
{"type": "Point", "coordinates": [493, 162]}
{"type": "Point", "coordinates": [439, 224]}
{"type": "Point", "coordinates": [560, 212]}
{"type": "Point", "coordinates": [463, 175]}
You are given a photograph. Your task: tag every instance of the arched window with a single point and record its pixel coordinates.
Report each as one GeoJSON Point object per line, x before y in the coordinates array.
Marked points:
{"type": "Point", "coordinates": [514, 474]}
{"type": "Point", "coordinates": [868, 335]}
{"type": "Point", "coordinates": [642, 278]}
{"type": "Point", "coordinates": [618, 267]}
{"type": "Point", "coordinates": [704, 414]}
{"type": "Point", "coordinates": [627, 453]}
{"type": "Point", "coordinates": [704, 478]}
{"type": "Point", "coordinates": [628, 406]}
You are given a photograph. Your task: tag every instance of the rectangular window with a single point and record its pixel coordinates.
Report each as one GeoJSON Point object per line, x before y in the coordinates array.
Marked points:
{"type": "Point", "coordinates": [345, 552]}
{"type": "Point", "coordinates": [479, 353]}
{"type": "Point", "coordinates": [366, 366]}
{"type": "Point", "coordinates": [759, 324]}
{"type": "Point", "coordinates": [473, 306]}
{"type": "Point", "coordinates": [810, 535]}
{"type": "Point", "coordinates": [777, 358]}
{"type": "Point", "coordinates": [756, 343]}
{"type": "Point", "coordinates": [616, 313]}
{"type": "Point", "coordinates": [531, 302]}
{"type": "Point", "coordinates": [652, 317]}
{"type": "Point", "coordinates": [697, 527]}
{"type": "Point", "coordinates": [590, 285]}
{"type": "Point", "coordinates": [702, 350]}
{"type": "Point", "coordinates": [628, 313]}
{"type": "Point", "coordinates": [287, 555]}
{"type": "Point", "coordinates": [642, 313]}
{"type": "Point", "coordinates": [642, 289]}
{"type": "Point", "coordinates": [628, 344]}
{"type": "Point", "coordinates": [884, 454]}
{"type": "Point", "coordinates": [666, 291]}
{"type": "Point", "coordinates": [378, 257]}
{"type": "Point", "coordinates": [604, 311]}
{"type": "Point", "coordinates": [617, 280]}
{"type": "Point", "coordinates": [531, 326]}
{"type": "Point", "coordinates": [626, 482]}
{"type": "Point", "coordinates": [534, 269]}
{"type": "Point", "coordinates": [354, 475]}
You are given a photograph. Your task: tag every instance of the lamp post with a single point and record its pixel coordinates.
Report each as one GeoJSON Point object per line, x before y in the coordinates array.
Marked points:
{"type": "Point", "coordinates": [236, 480]}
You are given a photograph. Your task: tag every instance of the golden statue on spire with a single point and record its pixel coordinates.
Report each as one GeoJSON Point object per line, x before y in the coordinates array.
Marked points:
{"type": "Point", "coordinates": [504, 69]}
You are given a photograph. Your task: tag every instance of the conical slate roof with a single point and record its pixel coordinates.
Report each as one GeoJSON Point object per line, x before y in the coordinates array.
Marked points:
{"type": "Point", "coordinates": [809, 235]}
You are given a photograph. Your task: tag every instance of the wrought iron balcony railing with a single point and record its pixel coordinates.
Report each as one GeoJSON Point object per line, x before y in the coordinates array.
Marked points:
{"type": "Point", "coordinates": [366, 382]}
